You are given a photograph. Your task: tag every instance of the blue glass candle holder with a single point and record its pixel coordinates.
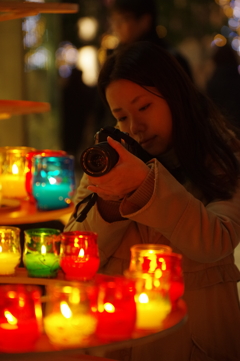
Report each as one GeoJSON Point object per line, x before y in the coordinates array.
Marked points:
{"type": "Point", "coordinates": [53, 182]}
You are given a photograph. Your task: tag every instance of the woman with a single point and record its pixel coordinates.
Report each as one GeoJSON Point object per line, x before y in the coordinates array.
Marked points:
{"type": "Point", "coordinates": [187, 196]}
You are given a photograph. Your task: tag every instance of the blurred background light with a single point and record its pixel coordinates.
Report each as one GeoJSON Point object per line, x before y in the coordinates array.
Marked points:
{"type": "Point", "coordinates": [87, 62]}
{"type": "Point", "coordinates": [87, 28]}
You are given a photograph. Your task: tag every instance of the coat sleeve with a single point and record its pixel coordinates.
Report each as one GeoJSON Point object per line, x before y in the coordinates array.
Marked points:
{"type": "Point", "coordinates": [109, 234]}
{"type": "Point", "coordinates": [204, 233]}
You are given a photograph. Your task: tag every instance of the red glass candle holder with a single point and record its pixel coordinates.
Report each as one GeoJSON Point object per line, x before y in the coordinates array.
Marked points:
{"type": "Point", "coordinates": [172, 265]}
{"type": "Point", "coordinates": [79, 258]}
{"type": "Point", "coordinates": [115, 308]}
{"type": "Point", "coordinates": [20, 317]}
{"type": "Point", "coordinates": [29, 159]}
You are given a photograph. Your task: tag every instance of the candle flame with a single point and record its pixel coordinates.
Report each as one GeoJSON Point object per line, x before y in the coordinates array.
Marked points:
{"type": "Point", "coordinates": [15, 169]}
{"type": "Point", "coordinates": [143, 298]}
{"type": "Point", "coordinates": [65, 310]}
{"type": "Point", "coordinates": [163, 266]}
{"type": "Point", "coordinates": [109, 307]}
{"type": "Point", "coordinates": [81, 253]}
{"type": "Point", "coordinates": [10, 318]}
{"type": "Point", "coordinates": [43, 249]}
{"type": "Point", "coordinates": [0, 249]}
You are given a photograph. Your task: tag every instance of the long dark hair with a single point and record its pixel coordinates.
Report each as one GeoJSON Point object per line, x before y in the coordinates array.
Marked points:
{"type": "Point", "coordinates": [201, 139]}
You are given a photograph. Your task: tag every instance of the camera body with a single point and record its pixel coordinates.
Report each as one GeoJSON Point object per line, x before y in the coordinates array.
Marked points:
{"type": "Point", "coordinates": [101, 157]}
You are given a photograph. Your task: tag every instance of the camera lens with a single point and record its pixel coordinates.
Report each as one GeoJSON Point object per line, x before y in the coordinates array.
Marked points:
{"type": "Point", "coordinates": [98, 159]}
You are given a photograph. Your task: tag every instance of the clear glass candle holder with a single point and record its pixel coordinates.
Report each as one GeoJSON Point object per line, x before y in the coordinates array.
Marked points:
{"type": "Point", "coordinates": [79, 257]}
{"type": "Point", "coordinates": [41, 252]}
{"type": "Point", "coordinates": [29, 173]}
{"type": "Point", "coordinates": [68, 318]}
{"type": "Point", "coordinates": [53, 181]}
{"type": "Point", "coordinates": [20, 317]}
{"type": "Point", "coordinates": [10, 249]}
{"type": "Point", "coordinates": [13, 171]}
{"type": "Point", "coordinates": [115, 308]}
{"type": "Point", "coordinates": [147, 257]}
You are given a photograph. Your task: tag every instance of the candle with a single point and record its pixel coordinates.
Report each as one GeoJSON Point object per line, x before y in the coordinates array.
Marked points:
{"type": "Point", "coordinates": [8, 262]}
{"type": "Point", "coordinates": [20, 317]}
{"type": "Point", "coordinates": [116, 308]}
{"type": "Point", "coordinates": [13, 171]}
{"type": "Point", "coordinates": [41, 252]}
{"type": "Point", "coordinates": [152, 309]}
{"type": "Point", "coordinates": [41, 265]}
{"type": "Point", "coordinates": [13, 186]}
{"type": "Point", "coordinates": [79, 258]}
{"type": "Point", "coordinates": [52, 196]}
{"type": "Point", "coordinates": [68, 319]}
{"type": "Point", "coordinates": [29, 158]}
{"type": "Point", "coordinates": [53, 181]}
{"type": "Point", "coordinates": [18, 337]}
{"type": "Point", "coordinates": [69, 331]}
{"type": "Point", "coordinates": [77, 268]}
{"type": "Point", "coordinates": [10, 249]}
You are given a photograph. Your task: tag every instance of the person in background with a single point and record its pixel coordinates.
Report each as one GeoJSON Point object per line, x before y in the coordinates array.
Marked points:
{"type": "Point", "coordinates": [223, 87]}
{"type": "Point", "coordinates": [136, 20]}
{"type": "Point", "coordinates": [187, 196]}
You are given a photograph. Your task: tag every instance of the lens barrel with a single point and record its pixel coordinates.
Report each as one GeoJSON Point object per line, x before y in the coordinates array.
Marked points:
{"type": "Point", "coordinates": [98, 159]}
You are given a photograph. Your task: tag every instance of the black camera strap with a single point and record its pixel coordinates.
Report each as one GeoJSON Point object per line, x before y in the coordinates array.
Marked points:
{"type": "Point", "coordinates": [91, 199]}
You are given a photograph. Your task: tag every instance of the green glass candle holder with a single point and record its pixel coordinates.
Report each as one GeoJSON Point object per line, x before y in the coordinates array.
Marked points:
{"type": "Point", "coordinates": [41, 252]}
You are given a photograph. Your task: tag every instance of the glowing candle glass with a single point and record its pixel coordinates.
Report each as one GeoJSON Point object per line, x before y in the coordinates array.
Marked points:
{"type": "Point", "coordinates": [171, 266]}
{"type": "Point", "coordinates": [20, 317]}
{"type": "Point", "coordinates": [53, 181]}
{"type": "Point", "coordinates": [41, 252]}
{"type": "Point", "coordinates": [152, 301]}
{"type": "Point", "coordinates": [68, 319]}
{"type": "Point", "coordinates": [145, 257]}
{"type": "Point", "coordinates": [116, 308]}
{"type": "Point", "coordinates": [10, 249]}
{"type": "Point", "coordinates": [79, 258]}
{"type": "Point", "coordinates": [13, 171]}
{"type": "Point", "coordinates": [29, 158]}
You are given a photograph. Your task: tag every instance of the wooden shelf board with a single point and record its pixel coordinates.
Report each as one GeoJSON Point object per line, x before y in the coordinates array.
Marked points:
{"type": "Point", "coordinates": [10, 10]}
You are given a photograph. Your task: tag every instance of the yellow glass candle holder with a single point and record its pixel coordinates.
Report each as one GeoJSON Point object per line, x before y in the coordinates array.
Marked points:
{"type": "Point", "coordinates": [152, 300]}
{"type": "Point", "coordinates": [13, 170]}
{"type": "Point", "coordinates": [146, 257]}
{"type": "Point", "coordinates": [10, 249]}
{"type": "Point", "coordinates": [68, 319]}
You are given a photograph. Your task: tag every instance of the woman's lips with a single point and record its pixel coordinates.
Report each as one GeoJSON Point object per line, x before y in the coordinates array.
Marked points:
{"type": "Point", "coordinates": [146, 142]}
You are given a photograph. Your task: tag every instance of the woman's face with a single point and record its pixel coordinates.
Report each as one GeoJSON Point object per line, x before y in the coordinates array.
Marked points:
{"type": "Point", "coordinates": [141, 113]}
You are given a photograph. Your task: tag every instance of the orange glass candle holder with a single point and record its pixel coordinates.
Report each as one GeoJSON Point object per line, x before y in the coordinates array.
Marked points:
{"type": "Point", "coordinates": [13, 171]}
{"type": "Point", "coordinates": [20, 317]}
{"type": "Point", "coordinates": [68, 319]}
{"type": "Point", "coordinates": [115, 308]}
{"type": "Point", "coordinates": [79, 257]}
{"type": "Point", "coordinates": [145, 257]}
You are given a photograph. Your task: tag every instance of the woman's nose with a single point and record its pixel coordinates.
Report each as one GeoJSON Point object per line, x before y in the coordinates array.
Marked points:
{"type": "Point", "coordinates": [137, 126]}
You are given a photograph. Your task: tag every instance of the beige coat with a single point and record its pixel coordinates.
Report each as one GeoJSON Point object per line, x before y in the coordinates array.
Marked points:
{"type": "Point", "coordinates": [166, 212]}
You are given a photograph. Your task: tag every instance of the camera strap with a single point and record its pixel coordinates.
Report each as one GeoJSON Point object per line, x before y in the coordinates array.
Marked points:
{"type": "Point", "coordinates": [91, 199]}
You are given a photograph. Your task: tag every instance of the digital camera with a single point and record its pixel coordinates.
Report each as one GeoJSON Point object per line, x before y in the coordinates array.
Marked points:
{"type": "Point", "coordinates": [101, 157]}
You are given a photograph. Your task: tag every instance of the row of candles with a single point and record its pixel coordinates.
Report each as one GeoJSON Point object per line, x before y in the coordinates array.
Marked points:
{"type": "Point", "coordinates": [45, 177]}
{"type": "Point", "coordinates": [92, 306]}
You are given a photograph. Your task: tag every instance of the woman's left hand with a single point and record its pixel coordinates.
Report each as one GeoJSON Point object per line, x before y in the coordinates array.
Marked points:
{"type": "Point", "coordinates": [125, 177]}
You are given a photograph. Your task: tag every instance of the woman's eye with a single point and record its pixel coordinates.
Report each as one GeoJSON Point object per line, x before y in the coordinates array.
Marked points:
{"type": "Point", "coordinates": [145, 107]}
{"type": "Point", "coordinates": [121, 119]}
